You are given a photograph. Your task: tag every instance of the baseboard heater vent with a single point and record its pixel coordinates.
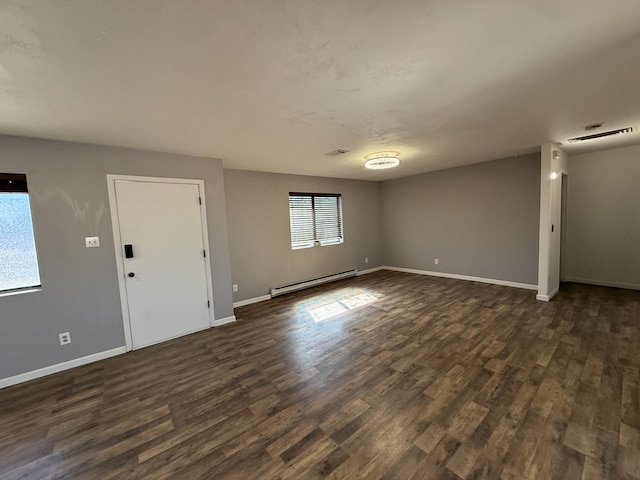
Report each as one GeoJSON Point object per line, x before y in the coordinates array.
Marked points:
{"type": "Point", "coordinates": [294, 287]}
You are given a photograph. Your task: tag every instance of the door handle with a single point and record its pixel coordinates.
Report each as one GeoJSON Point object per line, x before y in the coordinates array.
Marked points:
{"type": "Point", "coordinates": [131, 274]}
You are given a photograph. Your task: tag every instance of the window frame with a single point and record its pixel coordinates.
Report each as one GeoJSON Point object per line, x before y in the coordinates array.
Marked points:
{"type": "Point", "coordinates": [16, 183]}
{"type": "Point", "coordinates": [300, 245]}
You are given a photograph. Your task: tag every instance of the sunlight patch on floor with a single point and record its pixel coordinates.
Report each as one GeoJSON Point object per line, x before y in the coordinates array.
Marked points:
{"type": "Point", "coordinates": [328, 310]}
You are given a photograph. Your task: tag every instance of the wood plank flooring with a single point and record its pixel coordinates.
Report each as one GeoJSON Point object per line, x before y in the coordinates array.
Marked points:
{"type": "Point", "coordinates": [435, 379]}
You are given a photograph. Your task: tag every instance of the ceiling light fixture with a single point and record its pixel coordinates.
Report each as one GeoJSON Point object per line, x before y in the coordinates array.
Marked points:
{"type": "Point", "coordinates": [595, 136]}
{"type": "Point", "coordinates": [382, 162]}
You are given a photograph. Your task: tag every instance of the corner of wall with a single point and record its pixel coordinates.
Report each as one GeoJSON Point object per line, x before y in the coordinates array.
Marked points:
{"type": "Point", "coordinates": [553, 164]}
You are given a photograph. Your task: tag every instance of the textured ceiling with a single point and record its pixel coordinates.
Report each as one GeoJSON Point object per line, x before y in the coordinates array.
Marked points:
{"type": "Point", "coordinates": [273, 85]}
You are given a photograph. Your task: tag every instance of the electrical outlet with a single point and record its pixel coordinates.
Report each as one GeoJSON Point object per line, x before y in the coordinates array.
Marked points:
{"type": "Point", "coordinates": [366, 259]}
{"type": "Point", "coordinates": [65, 338]}
{"type": "Point", "coordinates": [91, 242]}
{"type": "Point", "coordinates": [235, 287]}
{"type": "Point", "coordinates": [435, 260]}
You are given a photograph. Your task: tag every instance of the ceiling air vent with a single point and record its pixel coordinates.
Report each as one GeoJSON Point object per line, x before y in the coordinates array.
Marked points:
{"type": "Point", "coordinates": [594, 136]}
{"type": "Point", "coordinates": [337, 152]}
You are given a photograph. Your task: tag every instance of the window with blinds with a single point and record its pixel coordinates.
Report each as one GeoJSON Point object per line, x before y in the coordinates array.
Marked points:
{"type": "Point", "coordinates": [18, 259]}
{"type": "Point", "coordinates": [315, 218]}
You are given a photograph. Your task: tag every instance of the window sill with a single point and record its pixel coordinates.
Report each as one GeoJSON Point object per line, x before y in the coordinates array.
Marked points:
{"type": "Point", "coordinates": [331, 243]}
{"type": "Point", "coordinates": [304, 247]}
{"type": "Point", "coordinates": [20, 292]}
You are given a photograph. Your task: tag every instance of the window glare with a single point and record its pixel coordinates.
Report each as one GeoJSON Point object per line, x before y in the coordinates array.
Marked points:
{"type": "Point", "coordinates": [18, 261]}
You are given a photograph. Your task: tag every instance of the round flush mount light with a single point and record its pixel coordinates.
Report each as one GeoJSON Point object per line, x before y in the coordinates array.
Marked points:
{"type": "Point", "coordinates": [380, 160]}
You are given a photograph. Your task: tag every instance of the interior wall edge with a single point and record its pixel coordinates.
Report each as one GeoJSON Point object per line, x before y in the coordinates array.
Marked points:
{"type": "Point", "coordinates": [602, 283]}
{"type": "Point", "coordinates": [60, 367]}
{"type": "Point", "coordinates": [493, 281]}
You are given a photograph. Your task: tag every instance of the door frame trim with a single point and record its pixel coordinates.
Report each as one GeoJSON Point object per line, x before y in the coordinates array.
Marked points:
{"type": "Point", "coordinates": [117, 243]}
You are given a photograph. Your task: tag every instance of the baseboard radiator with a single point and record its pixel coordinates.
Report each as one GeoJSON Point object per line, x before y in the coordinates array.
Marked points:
{"type": "Point", "coordinates": [294, 287]}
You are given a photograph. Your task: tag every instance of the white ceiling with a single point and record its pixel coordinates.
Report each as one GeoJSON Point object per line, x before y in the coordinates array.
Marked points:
{"type": "Point", "coordinates": [272, 85]}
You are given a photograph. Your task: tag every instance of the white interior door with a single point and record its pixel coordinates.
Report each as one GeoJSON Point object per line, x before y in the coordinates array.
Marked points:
{"type": "Point", "coordinates": [165, 274]}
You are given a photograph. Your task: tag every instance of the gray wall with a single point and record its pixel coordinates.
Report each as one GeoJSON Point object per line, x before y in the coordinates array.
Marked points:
{"type": "Point", "coordinates": [479, 220]}
{"type": "Point", "coordinates": [259, 232]}
{"type": "Point", "coordinates": [68, 187]}
{"type": "Point", "coordinates": [602, 243]}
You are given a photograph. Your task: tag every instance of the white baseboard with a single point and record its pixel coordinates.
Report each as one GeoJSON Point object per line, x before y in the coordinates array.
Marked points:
{"type": "Point", "coordinates": [262, 298]}
{"type": "Point", "coordinates": [601, 283]}
{"type": "Point", "coordinates": [370, 270]}
{"type": "Point", "coordinates": [249, 301]}
{"type": "Point", "coordinates": [224, 321]}
{"type": "Point", "coordinates": [505, 283]}
{"type": "Point", "coordinates": [59, 367]}
{"type": "Point", "coordinates": [547, 298]}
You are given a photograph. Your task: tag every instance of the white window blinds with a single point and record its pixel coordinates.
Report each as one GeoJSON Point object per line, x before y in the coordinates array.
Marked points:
{"type": "Point", "coordinates": [315, 218]}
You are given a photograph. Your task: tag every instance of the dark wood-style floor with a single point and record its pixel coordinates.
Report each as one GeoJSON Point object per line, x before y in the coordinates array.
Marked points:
{"type": "Point", "coordinates": [436, 378]}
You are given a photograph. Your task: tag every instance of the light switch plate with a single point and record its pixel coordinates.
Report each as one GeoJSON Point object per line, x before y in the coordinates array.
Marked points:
{"type": "Point", "coordinates": [91, 242]}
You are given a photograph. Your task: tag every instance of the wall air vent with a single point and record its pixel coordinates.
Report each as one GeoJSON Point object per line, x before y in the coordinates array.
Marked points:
{"type": "Point", "coordinates": [335, 153]}
{"type": "Point", "coordinates": [595, 136]}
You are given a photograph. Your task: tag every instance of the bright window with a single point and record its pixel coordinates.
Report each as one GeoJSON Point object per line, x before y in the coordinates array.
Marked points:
{"type": "Point", "coordinates": [18, 260]}
{"type": "Point", "coordinates": [315, 218]}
